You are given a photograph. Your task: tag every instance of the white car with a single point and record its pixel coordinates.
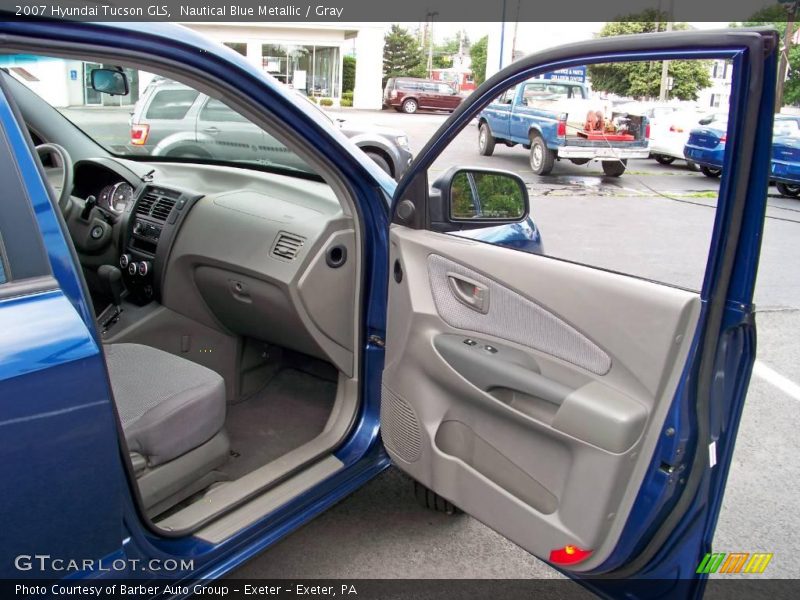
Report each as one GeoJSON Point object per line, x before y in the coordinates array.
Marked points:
{"type": "Point", "coordinates": [669, 135]}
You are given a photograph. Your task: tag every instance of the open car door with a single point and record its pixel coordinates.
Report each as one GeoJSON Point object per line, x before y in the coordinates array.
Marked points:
{"type": "Point", "coordinates": [587, 415]}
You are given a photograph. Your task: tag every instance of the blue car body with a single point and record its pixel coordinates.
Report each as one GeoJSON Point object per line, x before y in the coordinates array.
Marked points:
{"type": "Point", "coordinates": [785, 164]}
{"type": "Point", "coordinates": [71, 494]}
{"type": "Point", "coordinates": [706, 146]}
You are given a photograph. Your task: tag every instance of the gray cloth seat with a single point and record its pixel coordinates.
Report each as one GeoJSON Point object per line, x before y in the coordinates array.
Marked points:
{"type": "Point", "coordinates": [168, 405]}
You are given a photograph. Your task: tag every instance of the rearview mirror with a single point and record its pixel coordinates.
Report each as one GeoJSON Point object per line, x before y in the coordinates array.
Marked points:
{"type": "Point", "coordinates": [110, 81]}
{"type": "Point", "coordinates": [469, 198]}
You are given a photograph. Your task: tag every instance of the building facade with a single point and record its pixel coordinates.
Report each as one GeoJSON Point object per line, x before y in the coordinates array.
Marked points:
{"type": "Point", "coordinates": [718, 95]}
{"type": "Point", "coordinates": [307, 57]}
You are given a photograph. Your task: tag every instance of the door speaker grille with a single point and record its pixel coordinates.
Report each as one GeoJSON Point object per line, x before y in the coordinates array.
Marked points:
{"type": "Point", "coordinates": [399, 426]}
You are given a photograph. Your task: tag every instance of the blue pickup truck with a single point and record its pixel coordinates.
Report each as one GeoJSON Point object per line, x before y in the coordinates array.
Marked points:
{"type": "Point", "coordinates": [557, 120]}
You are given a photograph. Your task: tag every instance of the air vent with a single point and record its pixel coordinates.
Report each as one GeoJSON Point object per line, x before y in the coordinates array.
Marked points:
{"type": "Point", "coordinates": [162, 208]}
{"type": "Point", "coordinates": [145, 205]}
{"type": "Point", "coordinates": [287, 246]}
{"type": "Point", "coordinates": [157, 203]}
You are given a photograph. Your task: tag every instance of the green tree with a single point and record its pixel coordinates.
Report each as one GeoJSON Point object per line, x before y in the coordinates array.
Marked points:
{"type": "Point", "coordinates": [775, 16]}
{"type": "Point", "coordinates": [477, 53]}
{"type": "Point", "coordinates": [402, 56]}
{"type": "Point", "coordinates": [443, 53]}
{"type": "Point", "coordinates": [642, 79]}
{"type": "Point", "coordinates": [348, 73]}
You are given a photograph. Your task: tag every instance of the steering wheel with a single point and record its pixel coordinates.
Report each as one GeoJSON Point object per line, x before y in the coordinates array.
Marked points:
{"type": "Point", "coordinates": [66, 178]}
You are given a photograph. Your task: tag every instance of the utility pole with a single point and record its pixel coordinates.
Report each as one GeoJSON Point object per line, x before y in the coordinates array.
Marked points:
{"type": "Point", "coordinates": [430, 15]}
{"type": "Point", "coordinates": [664, 90]}
{"type": "Point", "coordinates": [783, 65]}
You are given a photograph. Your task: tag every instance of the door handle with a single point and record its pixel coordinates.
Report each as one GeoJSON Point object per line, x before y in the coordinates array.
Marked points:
{"type": "Point", "coordinates": [469, 292]}
{"type": "Point", "coordinates": [211, 130]}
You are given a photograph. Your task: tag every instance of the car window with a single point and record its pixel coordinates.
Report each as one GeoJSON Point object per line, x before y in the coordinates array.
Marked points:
{"type": "Point", "coordinates": [171, 104]}
{"type": "Point", "coordinates": [445, 89]}
{"type": "Point", "coordinates": [547, 91]}
{"type": "Point", "coordinates": [152, 119]}
{"type": "Point", "coordinates": [614, 208]}
{"type": "Point", "coordinates": [214, 110]}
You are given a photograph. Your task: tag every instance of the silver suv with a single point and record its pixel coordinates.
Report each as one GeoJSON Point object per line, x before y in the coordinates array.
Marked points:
{"type": "Point", "coordinates": [171, 119]}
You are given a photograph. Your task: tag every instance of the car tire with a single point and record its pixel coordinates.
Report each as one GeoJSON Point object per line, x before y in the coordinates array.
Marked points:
{"type": "Point", "coordinates": [541, 158]}
{"type": "Point", "coordinates": [188, 152]}
{"type": "Point", "coordinates": [711, 172]}
{"type": "Point", "coordinates": [433, 501]}
{"type": "Point", "coordinates": [614, 168]}
{"type": "Point", "coordinates": [663, 159]}
{"type": "Point", "coordinates": [380, 161]}
{"type": "Point", "coordinates": [786, 189]}
{"type": "Point", "coordinates": [579, 161]}
{"type": "Point", "coordinates": [486, 141]}
{"type": "Point", "coordinates": [410, 106]}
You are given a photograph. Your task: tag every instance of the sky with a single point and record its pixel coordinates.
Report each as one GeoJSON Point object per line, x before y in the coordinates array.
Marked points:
{"type": "Point", "coordinates": [532, 37]}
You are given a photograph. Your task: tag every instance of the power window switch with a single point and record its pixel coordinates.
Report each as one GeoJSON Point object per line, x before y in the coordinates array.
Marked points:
{"type": "Point", "coordinates": [470, 342]}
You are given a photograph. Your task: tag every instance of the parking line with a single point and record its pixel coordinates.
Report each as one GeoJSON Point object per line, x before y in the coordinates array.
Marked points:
{"type": "Point", "coordinates": [787, 386]}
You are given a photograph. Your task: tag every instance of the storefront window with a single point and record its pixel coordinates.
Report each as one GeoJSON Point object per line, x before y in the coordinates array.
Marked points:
{"type": "Point", "coordinates": [274, 61]}
{"type": "Point", "coordinates": [313, 70]}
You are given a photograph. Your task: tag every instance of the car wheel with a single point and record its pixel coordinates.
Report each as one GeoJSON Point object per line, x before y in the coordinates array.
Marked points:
{"type": "Point", "coordinates": [711, 172]}
{"type": "Point", "coordinates": [785, 189]}
{"type": "Point", "coordinates": [433, 501]}
{"type": "Point", "coordinates": [579, 161]}
{"type": "Point", "coordinates": [664, 160]}
{"type": "Point", "coordinates": [541, 158]}
{"type": "Point", "coordinates": [380, 161]}
{"type": "Point", "coordinates": [410, 106]}
{"type": "Point", "coordinates": [614, 168]}
{"type": "Point", "coordinates": [486, 140]}
{"type": "Point", "coordinates": [188, 152]}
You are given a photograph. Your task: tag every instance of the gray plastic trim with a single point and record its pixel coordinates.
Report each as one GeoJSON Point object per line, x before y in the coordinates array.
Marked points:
{"type": "Point", "coordinates": [509, 315]}
{"type": "Point", "coordinates": [258, 508]}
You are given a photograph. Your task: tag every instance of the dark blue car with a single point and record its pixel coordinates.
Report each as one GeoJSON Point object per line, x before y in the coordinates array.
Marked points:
{"type": "Point", "coordinates": [199, 356]}
{"type": "Point", "coordinates": [706, 144]}
{"type": "Point", "coordinates": [785, 165]}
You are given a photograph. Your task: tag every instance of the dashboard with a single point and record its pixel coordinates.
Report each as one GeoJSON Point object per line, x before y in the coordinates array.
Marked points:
{"type": "Point", "coordinates": [245, 252]}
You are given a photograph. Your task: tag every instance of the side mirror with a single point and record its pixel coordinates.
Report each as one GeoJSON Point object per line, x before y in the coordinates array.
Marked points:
{"type": "Point", "coordinates": [110, 81]}
{"type": "Point", "coordinates": [471, 198]}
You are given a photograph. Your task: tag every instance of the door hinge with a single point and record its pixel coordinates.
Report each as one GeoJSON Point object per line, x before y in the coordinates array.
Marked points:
{"type": "Point", "coordinates": [377, 340]}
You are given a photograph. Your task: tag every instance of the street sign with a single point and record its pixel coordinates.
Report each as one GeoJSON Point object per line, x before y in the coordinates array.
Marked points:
{"type": "Point", "coordinates": [577, 74]}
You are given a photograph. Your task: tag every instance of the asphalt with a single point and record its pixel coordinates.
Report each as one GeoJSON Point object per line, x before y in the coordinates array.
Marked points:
{"type": "Point", "coordinates": [655, 222]}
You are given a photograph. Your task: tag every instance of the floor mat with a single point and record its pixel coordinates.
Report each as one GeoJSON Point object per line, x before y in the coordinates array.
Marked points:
{"type": "Point", "coordinates": [291, 410]}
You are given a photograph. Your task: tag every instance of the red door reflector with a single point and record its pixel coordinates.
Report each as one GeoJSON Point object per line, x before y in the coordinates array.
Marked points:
{"type": "Point", "coordinates": [569, 555]}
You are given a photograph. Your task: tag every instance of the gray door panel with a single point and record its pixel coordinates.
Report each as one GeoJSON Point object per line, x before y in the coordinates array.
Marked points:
{"type": "Point", "coordinates": [542, 385]}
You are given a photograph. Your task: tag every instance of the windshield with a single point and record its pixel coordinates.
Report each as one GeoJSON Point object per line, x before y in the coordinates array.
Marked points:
{"type": "Point", "coordinates": [157, 118]}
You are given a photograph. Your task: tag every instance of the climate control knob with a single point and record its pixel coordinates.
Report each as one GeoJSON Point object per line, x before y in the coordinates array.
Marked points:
{"type": "Point", "coordinates": [133, 268]}
{"type": "Point", "coordinates": [144, 268]}
{"type": "Point", "coordinates": [124, 261]}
